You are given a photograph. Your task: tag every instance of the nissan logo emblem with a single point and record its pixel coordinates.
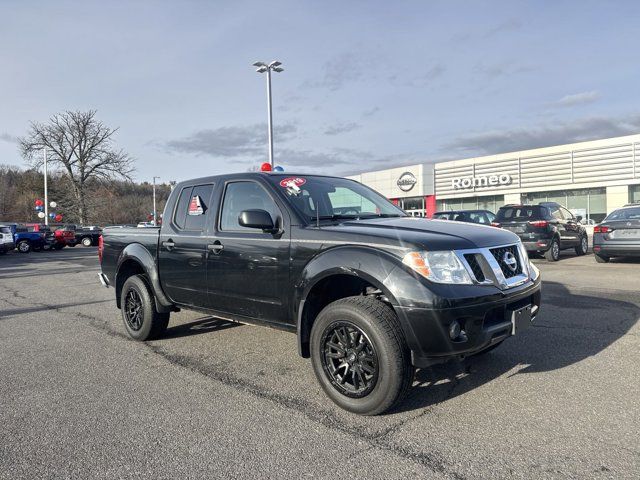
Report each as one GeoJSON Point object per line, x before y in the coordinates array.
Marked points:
{"type": "Point", "coordinates": [406, 181]}
{"type": "Point", "coordinates": [510, 261]}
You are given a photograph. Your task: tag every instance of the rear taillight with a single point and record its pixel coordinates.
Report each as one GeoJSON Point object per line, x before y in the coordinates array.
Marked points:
{"type": "Point", "coordinates": [602, 229]}
{"type": "Point", "coordinates": [100, 248]}
{"type": "Point", "coordinates": [539, 223]}
{"type": "Point", "coordinates": [495, 224]}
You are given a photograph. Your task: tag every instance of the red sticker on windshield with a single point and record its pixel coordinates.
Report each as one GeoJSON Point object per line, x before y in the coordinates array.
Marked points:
{"type": "Point", "coordinates": [289, 181]}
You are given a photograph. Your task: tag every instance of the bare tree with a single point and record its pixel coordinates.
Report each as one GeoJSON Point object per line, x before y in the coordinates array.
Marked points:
{"type": "Point", "coordinates": [82, 146]}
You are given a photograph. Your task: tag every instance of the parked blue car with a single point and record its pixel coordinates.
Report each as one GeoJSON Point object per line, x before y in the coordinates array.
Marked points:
{"type": "Point", "coordinates": [27, 238]}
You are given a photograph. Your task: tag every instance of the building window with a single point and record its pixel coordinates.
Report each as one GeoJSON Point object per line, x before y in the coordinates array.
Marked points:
{"type": "Point", "coordinates": [491, 203]}
{"type": "Point", "coordinates": [413, 205]}
{"type": "Point", "coordinates": [590, 204]}
{"type": "Point", "coordinates": [634, 193]}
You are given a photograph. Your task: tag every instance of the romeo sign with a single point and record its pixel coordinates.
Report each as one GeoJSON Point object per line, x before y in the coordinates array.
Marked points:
{"type": "Point", "coordinates": [484, 181]}
{"type": "Point", "coordinates": [406, 181]}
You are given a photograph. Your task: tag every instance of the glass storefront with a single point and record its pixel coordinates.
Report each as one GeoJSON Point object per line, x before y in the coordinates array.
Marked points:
{"type": "Point", "coordinates": [413, 206]}
{"type": "Point", "coordinates": [590, 204]}
{"type": "Point", "coordinates": [491, 203]}
{"type": "Point", "coordinates": [634, 193]}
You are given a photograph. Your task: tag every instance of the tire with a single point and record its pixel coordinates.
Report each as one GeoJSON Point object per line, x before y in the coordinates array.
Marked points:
{"type": "Point", "coordinates": [87, 242]}
{"type": "Point", "coordinates": [583, 247]}
{"type": "Point", "coordinates": [23, 246]}
{"type": "Point", "coordinates": [372, 336]}
{"type": "Point", "coordinates": [602, 259]}
{"type": "Point", "coordinates": [147, 323]}
{"type": "Point", "coordinates": [553, 254]}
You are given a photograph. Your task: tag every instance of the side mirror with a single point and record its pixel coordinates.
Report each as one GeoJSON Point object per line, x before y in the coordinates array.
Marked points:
{"type": "Point", "coordinates": [256, 219]}
{"type": "Point", "coordinates": [579, 218]}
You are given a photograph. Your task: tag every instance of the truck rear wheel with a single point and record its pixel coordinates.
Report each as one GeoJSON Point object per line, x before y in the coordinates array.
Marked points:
{"type": "Point", "coordinates": [360, 356]}
{"type": "Point", "coordinates": [87, 242]}
{"type": "Point", "coordinates": [141, 320]}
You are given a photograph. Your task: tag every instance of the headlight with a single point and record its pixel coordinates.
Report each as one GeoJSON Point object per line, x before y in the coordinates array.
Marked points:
{"type": "Point", "coordinates": [440, 267]}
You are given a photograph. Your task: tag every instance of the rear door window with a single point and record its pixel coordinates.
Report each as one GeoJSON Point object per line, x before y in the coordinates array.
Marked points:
{"type": "Point", "coordinates": [180, 214]}
{"type": "Point", "coordinates": [199, 204]}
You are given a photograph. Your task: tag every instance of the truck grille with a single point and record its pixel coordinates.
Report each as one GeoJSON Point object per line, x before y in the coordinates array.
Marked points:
{"type": "Point", "coordinates": [475, 266]}
{"type": "Point", "coordinates": [505, 266]}
{"type": "Point", "coordinates": [508, 259]}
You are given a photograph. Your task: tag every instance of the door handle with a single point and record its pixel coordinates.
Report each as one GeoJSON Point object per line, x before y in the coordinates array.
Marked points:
{"type": "Point", "coordinates": [215, 247]}
{"type": "Point", "coordinates": [168, 245]}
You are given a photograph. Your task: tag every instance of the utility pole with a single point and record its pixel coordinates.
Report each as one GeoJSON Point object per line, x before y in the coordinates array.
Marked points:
{"type": "Point", "coordinates": [263, 67]}
{"type": "Point", "coordinates": [155, 214]}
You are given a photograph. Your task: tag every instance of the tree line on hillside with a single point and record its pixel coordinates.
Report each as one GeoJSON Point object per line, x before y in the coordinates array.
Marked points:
{"type": "Point", "coordinates": [107, 202]}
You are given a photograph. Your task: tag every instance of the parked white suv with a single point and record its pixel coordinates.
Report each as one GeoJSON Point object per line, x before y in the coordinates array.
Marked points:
{"type": "Point", "coordinates": [6, 240]}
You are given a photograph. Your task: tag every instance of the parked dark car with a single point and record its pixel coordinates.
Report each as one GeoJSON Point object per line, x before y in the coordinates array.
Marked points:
{"type": "Point", "coordinates": [618, 235]}
{"type": "Point", "coordinates": [484, 217]}
{"type": "Point", "coordinates": [7, 243]}
{"type": "Point", "coordinates": [88, 236]}
{"type": "Point", "coordinates": [371, 294]}
{"type": "Point", "coordinates": [544, 228]}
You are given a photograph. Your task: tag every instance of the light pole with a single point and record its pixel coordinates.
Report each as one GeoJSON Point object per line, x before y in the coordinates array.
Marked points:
{"type": "Point", "coordinates": [46, 190]}
{"type": "Point", "coordinates": [263, 67]}
{"type": "Point", "coordinates": [154, 202]}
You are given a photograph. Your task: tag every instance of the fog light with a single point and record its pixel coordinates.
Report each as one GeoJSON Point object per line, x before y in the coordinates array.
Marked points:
{"type": "Point", "coordinates": [454, 330]}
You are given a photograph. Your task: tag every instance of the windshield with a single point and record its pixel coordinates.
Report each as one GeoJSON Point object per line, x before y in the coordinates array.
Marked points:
{"type": "Point", "coordinates": [331, 198]}
{"type": "Point", "coordinates": [624, 214]}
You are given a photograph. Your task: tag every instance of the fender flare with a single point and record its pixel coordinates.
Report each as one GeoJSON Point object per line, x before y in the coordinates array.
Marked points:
{"type": "Point", "coordinates": [381, 269]}
{"type": "Point", "coordinates": [139, 254]}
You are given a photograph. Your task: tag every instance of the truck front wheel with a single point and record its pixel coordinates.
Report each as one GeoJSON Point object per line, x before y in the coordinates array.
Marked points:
{"type": "Point", "coordinates": [360, 356]}
{"type": "Point", "coordinates": [141, 320]}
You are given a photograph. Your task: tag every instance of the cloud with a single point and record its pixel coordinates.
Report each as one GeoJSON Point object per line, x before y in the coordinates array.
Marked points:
{"type": "Point", "coordinates": [434, 71]}
{"type": "Point", "coordinates": [578, 99]}
{"type": "Point", "coordinates": [506, 26]}
{"type": "Point", "coordinates": [505, 68]}
{"type": "Point", "coordinates": [342, 128]}
{"type": "Point", "coordinates": [340, 70]}
{"type": "Point", "coordinates": [8, 138]}
{"type": "Point", "coordinates": [371, 112]}
{"type": "Point", "coordinates": [230, 141]}
{"type": "Point", "coordinates": [509, 140]}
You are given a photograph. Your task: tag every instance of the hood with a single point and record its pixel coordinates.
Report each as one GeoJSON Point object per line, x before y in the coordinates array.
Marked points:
{"type": "Point", "coordinates": [423, 233]}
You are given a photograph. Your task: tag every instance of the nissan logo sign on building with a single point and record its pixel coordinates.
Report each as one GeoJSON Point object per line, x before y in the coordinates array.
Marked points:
{"type": "Point", "coordinates": [406, 181]}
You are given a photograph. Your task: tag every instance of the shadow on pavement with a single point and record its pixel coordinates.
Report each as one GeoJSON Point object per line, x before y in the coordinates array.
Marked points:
{"type": "Point", "coordinates": [197, 327]}
{"type": "Point", "coordinates": [569, 329]}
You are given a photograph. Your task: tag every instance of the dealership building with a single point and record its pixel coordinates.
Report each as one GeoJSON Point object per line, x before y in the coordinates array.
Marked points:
{"type": "Point", "coordinates": [590, 178]}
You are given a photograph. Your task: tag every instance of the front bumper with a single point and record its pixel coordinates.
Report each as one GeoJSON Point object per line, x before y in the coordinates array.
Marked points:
{"type": "Point", "coordinates": [485, 322]}
{"type": "Point", "coordinates": [7, 247]}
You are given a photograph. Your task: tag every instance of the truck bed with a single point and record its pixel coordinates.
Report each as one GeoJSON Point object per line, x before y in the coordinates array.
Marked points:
{"type": "Point", "coordinates": [115, 239]}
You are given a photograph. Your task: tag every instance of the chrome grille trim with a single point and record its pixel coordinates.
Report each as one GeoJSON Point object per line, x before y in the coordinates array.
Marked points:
{"type": "Point", "coordinates": [493, 273]}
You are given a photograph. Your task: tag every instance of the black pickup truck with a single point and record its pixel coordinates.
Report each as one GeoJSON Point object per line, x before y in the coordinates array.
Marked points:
{"type": "Point", "coordinates": [370, 292]}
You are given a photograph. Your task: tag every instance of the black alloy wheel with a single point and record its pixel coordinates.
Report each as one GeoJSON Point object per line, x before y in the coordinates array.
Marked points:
{"type": "Point", "coordinates": [133, 310]}
{"type": "Point", "coordinates": [349, 359]}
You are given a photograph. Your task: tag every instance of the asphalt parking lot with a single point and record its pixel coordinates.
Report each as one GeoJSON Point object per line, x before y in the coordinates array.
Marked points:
{"type": "Point", "coordinates": [219, 400]}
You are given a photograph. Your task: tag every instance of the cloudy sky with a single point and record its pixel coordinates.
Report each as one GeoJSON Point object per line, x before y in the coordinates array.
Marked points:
{"type": "Point", "coordinates": [367, 84]}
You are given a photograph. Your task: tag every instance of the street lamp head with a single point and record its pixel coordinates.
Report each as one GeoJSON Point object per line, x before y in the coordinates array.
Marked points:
{"type": "Point", "coordinates": [259, 64]}
{"type": "Point", "coordinates": [275, 63]}
{"type": "Point", "coordinates": [277, 69]}
{"type": "Point", "coordinates": [262, 69]}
